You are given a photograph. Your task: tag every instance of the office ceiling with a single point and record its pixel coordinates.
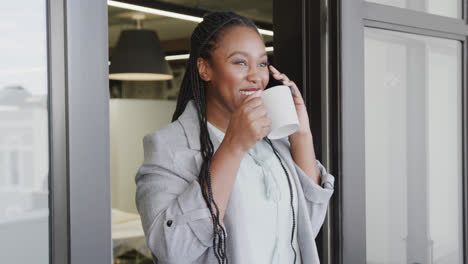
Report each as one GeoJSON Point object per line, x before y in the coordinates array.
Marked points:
{"type": "Point", "coordinates": [175, 33]}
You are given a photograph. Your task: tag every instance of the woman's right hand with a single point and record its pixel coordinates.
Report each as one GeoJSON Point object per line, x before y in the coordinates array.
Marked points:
{"type": "Point", "coordinates": [249, 123]}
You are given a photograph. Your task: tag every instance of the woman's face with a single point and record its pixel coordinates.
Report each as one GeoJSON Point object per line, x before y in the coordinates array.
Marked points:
{"type": "Point", "coordinates": [239, 64]}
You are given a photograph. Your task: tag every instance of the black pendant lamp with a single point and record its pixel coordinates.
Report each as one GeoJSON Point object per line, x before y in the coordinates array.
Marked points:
{"type": "Point", "coordinates": [139, 57]}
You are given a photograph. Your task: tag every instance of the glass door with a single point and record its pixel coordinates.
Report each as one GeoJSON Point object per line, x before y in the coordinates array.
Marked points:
{"type": "Point", "coordinates": [24, 133]}
{"type": "Point", "coordinates": [413, 154]}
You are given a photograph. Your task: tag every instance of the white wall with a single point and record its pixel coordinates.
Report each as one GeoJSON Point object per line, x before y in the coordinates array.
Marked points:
{"type": "Point", "coordinates": [130, 121]}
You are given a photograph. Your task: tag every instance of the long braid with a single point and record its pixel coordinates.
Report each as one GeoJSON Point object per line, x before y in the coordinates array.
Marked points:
{"type": "Point", "coordinates": [202, 41]}
{"type": "Point", "coordinates": [290, 193]}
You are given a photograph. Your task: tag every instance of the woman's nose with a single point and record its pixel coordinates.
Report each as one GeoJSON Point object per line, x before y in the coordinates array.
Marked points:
{"type": "Point", "coordinates": [254, 75]}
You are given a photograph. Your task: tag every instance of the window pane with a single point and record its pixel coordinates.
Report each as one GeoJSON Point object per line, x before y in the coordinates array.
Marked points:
{"type": "Point", "coordinates": [413, 148]}
{"type": "Point", "coordinates": [24, 152]}
{"type": "Point", "coordinates": [450, 8]}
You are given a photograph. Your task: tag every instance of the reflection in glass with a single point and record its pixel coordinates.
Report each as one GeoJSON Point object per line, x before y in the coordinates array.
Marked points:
{"type": "Point", "coordinates": [449, 8]}
{"type": "Point", "coordinates": [24, 152]}
{"type": "Point", "coordinates": [413, 148]}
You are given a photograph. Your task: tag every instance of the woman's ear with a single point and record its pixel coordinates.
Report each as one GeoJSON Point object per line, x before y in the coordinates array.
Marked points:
{"type": "Point", "coordinates": [204, 69]}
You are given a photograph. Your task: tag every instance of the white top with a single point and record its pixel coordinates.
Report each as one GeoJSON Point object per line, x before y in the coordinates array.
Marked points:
{"type": "Point", "coordinates": [266, 205]}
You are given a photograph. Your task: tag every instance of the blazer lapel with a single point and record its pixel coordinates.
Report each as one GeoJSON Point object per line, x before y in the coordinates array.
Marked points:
{"type": "Point", "coordinates": [189, 121]}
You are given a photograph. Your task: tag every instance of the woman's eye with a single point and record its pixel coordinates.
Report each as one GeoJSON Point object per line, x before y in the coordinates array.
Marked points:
{"type": "Point", "coordinates": [241, 62]}
{"type": "Point", "coordinates": [264, 64]}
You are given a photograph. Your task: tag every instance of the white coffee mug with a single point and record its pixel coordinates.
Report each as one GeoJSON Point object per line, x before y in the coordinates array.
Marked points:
{"type": "Point", "coordinates": [281, 110]}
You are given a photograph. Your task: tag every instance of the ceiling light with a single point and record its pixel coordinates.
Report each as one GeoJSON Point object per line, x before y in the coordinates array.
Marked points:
{"type": "Point", "coordinates": [154, 11]}
{"type": "Point", "coordinates": [265, 32]}
{"type": "Point", "coordinates": [178, 57]}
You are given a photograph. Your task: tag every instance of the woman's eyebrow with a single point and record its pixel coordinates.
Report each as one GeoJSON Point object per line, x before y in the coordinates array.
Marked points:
{"type": "Point", "coordinates": [245, 54]}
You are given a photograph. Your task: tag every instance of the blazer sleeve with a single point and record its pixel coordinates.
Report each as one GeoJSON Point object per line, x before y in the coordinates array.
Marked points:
{"type": "Point", "coordinates": [175, 218]}
{"type": "Point", "coordinates": [317, 196]}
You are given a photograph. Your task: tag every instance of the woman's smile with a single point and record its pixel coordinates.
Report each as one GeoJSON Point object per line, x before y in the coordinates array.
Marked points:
{"type": "Point", "coordinates": [247, 92]}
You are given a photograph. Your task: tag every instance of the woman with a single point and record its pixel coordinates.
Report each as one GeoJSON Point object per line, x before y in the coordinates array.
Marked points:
{"type": "Point", "coordinates": [212, 187]}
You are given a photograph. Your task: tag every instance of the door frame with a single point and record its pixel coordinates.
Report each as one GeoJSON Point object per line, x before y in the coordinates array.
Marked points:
{"type": "Point", "coordinates": [79, 186]}
{"type": "Point", "coordinates": [355, 15]}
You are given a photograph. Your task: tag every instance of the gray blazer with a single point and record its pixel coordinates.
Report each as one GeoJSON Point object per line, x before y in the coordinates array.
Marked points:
{"type": "Point", "coordinates": [175, 217]}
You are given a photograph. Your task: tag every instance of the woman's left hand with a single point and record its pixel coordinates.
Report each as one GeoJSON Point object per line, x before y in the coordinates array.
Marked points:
{"type": "Point", "coordinates": [304, 128]}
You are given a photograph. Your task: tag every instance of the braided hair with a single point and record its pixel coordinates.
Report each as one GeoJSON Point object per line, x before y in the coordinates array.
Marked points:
{"type": "Point", "coordinates": [202, 42]}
